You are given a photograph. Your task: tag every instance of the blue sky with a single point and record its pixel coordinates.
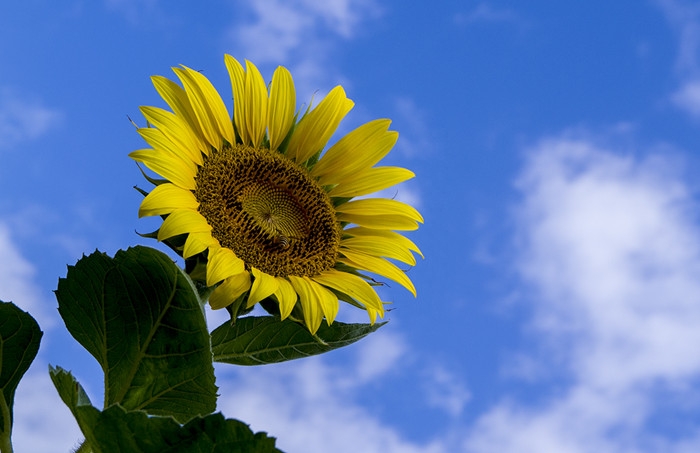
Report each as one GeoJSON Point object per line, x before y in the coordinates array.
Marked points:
{"type": "Point", "coordinates": [555, 147]}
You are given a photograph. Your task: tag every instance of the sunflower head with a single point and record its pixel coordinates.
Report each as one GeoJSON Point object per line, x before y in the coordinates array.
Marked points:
{"type": "Point", "coordinates": [271, 212]}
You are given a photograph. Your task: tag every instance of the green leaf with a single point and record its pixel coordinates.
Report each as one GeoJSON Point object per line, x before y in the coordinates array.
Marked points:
{"type": "Point", "coordinates": [117, 430]}
{"type": "Point", "coordinates": [265, 339]}
{"type": "Point", "coordinates": [139, 315]}
{"type": "Point", "coordinates": [19, 343]}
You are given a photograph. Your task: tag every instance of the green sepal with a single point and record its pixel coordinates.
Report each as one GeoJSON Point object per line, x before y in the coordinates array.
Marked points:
{"type": "Point", "coordinates": [154, 181]}
{"type": "Point", "coordinates": [259, 340]}
{"type": "Point", "coordinates": [19, 344]}
{"type": "Point", "coordinates": [117, 430]}
{"type": "Point", "coordinates": [140, 316]}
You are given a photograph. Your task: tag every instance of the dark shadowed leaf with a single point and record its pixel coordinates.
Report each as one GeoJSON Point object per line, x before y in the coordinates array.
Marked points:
{"type": "Point", "coordinates": [139, 315]}
{"type": "Point", "coordinates": [19, 343]}
{"type": "Point", "coordinates": [260, 340]}
{"type": "Point", "coordinates": [116, 430]}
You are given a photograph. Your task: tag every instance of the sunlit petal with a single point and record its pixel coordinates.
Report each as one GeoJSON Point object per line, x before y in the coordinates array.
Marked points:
{"type": "Point", "coordinates": [197, 243]}
{"type": "Point", "coordinates": [210, 110]}
{"type": "Point", "coordinates": [256, 104]}
{"type": "Point", "coordinates": [286, 296]}
{"type": "Point", "coordinates": [176, 98]}
{"type": "Point", "coordinates": [351, 285]}
{"type": "Point", "coordinates": [370, 181]}
{"type": "Point", "coordinates": [237, 75]}
{"type": "Point", "coordinates": [379, 247]}
{"type": "Point", "coordinates": [223, 263]}
{"type": "Point", "coordinates": [182, 221]}
{"type": "Point", "coordinates": [230, 290]}
{"type": "Point", "coordinates": [165, 199]}
{"type": "Point", "coordinates": [389, 236]}
{"type": "Point", "coordinates": [378, 266]}
{"type": "Point", "coordinates": [166, 165]}
{"type": "Point", "coordinates": [379, 207]}
{"type": "Point", "coordinates": [316, 127]}
{"type": "Point", "coordinates": [282, 104]}
{"type": "Point", "coordinates": [357, 151]}
{"type": "Point", "coordinates": [175, 129]}
{"type": "Point", "coordinates": [264, 285]}
{"type": "Point", "coordinates": [310, 304]}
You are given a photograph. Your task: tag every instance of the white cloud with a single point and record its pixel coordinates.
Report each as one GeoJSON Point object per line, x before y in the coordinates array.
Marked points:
{"type": "Point", "coordinates": [446, 391]}
{"type": "Point", "coordinates": [23, 118]}
{"type": "Point", "coordinates": [684, 18]}
{"type": "Point", "coordinates": [42, 422]}
{"type": "Point", "coordinates": [300, 34]}
{"type": "Point", "coordinates": [315, 407]}
{"type": "Point", "coordinates": [414, 139]}
{"type": "Point", "coordinates": [688, 98]}
{"type": "Point", "coordinates": [611, 251]}
{"type": "Point", "coordinates": [17, 281]}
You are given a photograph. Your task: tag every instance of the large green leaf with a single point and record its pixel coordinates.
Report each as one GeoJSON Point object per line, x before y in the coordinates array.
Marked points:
{"type": "Point", "coordinates": [139, 315]}
{"type": "Point", "coordinates": [19, 343]}
{"type": "Point", "coordinates": [116, 430]}
{"type": "Point", "coordinates": [260, 340]}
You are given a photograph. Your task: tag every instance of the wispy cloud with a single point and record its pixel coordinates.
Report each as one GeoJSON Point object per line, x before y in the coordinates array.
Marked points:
{"type": "Point", "coordinates": [300, 34]}
{"type": "Point", "coordinates": [684, 18]}
{"type": "Point", "coordinates": [446, 391]}
{"type": "Point", "coordinates": [315, 407]}
{"type": "Point", "coordinates": [17, 280]}
{"type": "Point", "coordinates": [23, 118]}
{"type": "Point", "coordinates": [611, 252]}
{"type": "Point", "coordinates": [38, 408]}
{"type": "Point", "coordinates": [42, 422]}
{"type": "Point", "coordinates": [137, 11]}
{"type": "Point", "coordinates": [412, 124]}
{"type": "Point", "coordinates": [486, 13]}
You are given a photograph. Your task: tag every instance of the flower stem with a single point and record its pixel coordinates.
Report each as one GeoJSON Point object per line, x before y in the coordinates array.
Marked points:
{"type": "Point", "coordinates": [5, 441]}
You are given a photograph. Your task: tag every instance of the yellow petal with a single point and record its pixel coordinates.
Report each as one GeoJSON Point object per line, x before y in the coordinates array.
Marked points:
{"type": "Point", "coordinates": [255, 104]}
{"type": "Point", "coordinates": [328, 300]}
{"type": "Point", "coordinates": [160, 142]}
{"type": "Point", "coordinates": [379, 207]}
{"type": "Point", "coordinates": [210, 110]}
{"type": "Point", "coordinates": [223, 263]}
{"type": "Point", "coordinates": [280, 115]}
{"type": "Point", "coordinates": [357, 151]}
{"type": "Point", "coordinates": [237, 75]}
{"type": "Point", "coordinates": [379, 247]}
{"type": "Point", "coordinates": [380, 222]}
{"type": "Point", "coordinates": [316, 127]}
{"type": "Point", "coordinates": [286, 296]}
{"type": "Point", "coordinates": [378, 266]}
{"type": "Point", "coordinates": [176, 130]}
{"type": "Point", "coordinates": [183, 221]}
{"type": "Point", "coordinates": [197, 243]}
{"type": "Point", "coordinates": [176, 98]}
{"type": "Point", "coordinates": [227, 292]}
{"type": "Point", "coordinates": [166, 198]}
{"type": "Point", "coordinates": [389, 236]}
{"type": "Point", "coordinates": [373, 314]}
{"type": "Point", "coordinates": [310, 304]}
{"type": "Point", "coordinates": [351, 285]}
{"type": "Point", "coordinates": [370, 181]}
{"type": "Point", "coordinates": [264, 285]}
{"type": "Point", "coordinates": [168, 166]}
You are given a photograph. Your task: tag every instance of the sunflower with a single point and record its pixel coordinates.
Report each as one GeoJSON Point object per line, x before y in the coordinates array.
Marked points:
{"type": "Point", "coordinates": [274, 215]}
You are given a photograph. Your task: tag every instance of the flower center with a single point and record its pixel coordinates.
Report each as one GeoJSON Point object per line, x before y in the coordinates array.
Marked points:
{"type": "Point", "coordinates": [268, 211]}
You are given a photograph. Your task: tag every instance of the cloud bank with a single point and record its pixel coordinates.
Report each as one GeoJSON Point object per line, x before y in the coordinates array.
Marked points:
{"type": "Point", "coordinates": [610, 251]}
